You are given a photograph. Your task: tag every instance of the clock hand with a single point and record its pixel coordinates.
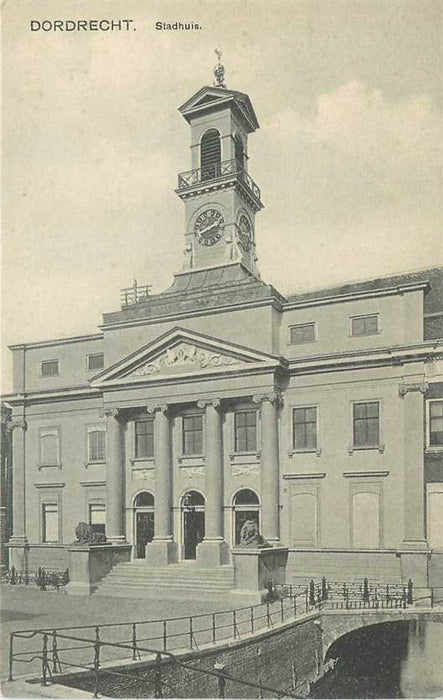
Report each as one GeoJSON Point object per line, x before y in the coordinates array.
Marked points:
{"type": "Point", "coordinates": [208, 228]}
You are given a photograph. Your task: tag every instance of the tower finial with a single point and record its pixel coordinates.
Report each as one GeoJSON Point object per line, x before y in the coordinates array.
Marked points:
{"type": "Point", "coordinates": [219, 71]}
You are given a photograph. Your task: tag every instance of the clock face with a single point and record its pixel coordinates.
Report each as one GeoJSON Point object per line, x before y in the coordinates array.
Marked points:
{"type": "Point", "coordinates": [209, 227]}
{"type": "Point", "coordinates": [244, 232]}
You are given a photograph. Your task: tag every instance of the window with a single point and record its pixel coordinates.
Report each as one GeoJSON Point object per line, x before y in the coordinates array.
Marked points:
{"type": "Point", "coordinates": [97, 517]}
{"type": "Point", "coordinates": [95, 361]}
{"type": "Point", "coordinates": [144, 438]}
{"type": "Point", "coordinates": [49, 368]}
{"type": "Point", "coordinates": [304, 428]}
{"type": "Point", "coordinates": [246, 431]}
{"type": "Point", "coordinates": [97, 444]}
{"type": "Point", "coordinates": [364, 325]}
{"type": "Point", "coordinates": [210, 155]}
{"type": "Point", "coordinates": [49, 447]}
{"type": "Point", "coordinates": [436, 423]}
{"type": "Point", "coordinates": [302, 333]}
{"type": "Point", "coordinates": [50, 525]}
{"type": "Point", "coordinates": [193, 435]}
{"type": "Point", "coordinates": [366, 431]}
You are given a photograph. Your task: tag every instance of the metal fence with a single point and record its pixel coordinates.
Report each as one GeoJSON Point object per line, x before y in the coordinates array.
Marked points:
{"type": "Point", "coordinates": [43, 578]}
{"type": "Point", "coordinates": [54, 651]}
{"type": "Point", "coordinates": [172, 635]}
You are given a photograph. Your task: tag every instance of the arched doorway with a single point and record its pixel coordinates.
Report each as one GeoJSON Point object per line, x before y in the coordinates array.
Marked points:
{"type": "Point", "coordinates": [193, 522]}
{"type": "Point", "coordinates": [143, 522]}
{"type": "Point", "coordinates": [246, 506]}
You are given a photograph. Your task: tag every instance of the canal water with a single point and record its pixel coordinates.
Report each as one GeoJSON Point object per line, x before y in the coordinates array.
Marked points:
{"type": "Point", "coordinates": [390, 660]}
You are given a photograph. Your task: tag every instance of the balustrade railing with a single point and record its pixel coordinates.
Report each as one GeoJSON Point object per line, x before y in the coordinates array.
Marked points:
{"type": "Point", "coordinates": [216, 171]}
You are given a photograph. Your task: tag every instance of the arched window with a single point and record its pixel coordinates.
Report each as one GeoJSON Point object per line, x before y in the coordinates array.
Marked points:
{"type": "Point", "coordinates": [210, 154]}
{"type": "Point", "coordinates": [144, 500]}
{"type": "Point", "coordinates": [193, 499]}
{"type": "Point", "coordinates": [239, 152]}
{"type": "Point", "coordinates": [246, 507]}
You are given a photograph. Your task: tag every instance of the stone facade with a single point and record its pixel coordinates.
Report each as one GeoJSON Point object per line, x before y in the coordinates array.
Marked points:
{"type": "Point", "coordinates": [221, 399]}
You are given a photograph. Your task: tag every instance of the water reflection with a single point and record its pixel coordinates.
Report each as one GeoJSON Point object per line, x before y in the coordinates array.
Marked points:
{"type": "Point", "coordinates": [390, 660]}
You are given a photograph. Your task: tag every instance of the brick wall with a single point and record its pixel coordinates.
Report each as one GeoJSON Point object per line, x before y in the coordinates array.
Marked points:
{"type": "Point", "coordinates": [280, 659]}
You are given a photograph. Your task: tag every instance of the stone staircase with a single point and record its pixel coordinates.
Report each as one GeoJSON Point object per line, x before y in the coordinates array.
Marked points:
{"type": "Point", "coordinates": [138, 579]}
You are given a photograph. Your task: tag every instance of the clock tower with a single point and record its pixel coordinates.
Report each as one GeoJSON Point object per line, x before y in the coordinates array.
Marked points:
{"type": "Point", "coordinates": [220, 197]}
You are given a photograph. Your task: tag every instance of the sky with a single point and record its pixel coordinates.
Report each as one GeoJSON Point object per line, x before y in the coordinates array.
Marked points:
{"type": "Point", "coordinates": [348, 94]}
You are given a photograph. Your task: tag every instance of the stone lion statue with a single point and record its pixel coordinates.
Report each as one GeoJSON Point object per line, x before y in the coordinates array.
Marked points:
{"type": "Point", "coordinates": [85, 535]}
{"type": "Point", "coordinates": [250, 535]}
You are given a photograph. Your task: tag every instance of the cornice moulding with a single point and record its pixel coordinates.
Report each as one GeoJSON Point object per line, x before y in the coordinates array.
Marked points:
{"type": "Point", "coordinates": [304, 475]}
{"type": "Point", "coordinates": [375, 356]}
{"type": "Point", "coordinates": [336, 298]}
{"type": "Point", "coordinates": [57, 341]}
{"type": "Point", "coordinates": [208, 311]}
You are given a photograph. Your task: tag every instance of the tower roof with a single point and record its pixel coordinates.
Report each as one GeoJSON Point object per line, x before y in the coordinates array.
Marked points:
{"type": "Point", "coordinates": [208, 99]}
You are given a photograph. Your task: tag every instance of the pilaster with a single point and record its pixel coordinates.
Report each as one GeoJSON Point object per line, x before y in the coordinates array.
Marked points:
{"type": "Point", "coordinates": [18, 542]}
{"type": "Point", "coordinates": [412, 393]}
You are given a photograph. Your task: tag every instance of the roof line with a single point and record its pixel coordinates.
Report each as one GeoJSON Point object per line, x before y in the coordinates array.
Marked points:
{"type": "Point", "coordinates": [313, 290]}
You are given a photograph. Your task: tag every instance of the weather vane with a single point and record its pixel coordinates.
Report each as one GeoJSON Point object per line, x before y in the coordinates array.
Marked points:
{"type": "Point", "coordinates": [219, 71]}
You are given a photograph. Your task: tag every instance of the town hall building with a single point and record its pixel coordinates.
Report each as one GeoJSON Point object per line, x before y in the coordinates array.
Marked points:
{"type": "Point", "coordinates": [318, 415]}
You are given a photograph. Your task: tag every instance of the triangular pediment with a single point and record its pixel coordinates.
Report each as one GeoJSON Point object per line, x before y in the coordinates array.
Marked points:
{"type": "Point", "coordinates": [181, 352]}
{"type": "Point", "coordinates": [210, 97]}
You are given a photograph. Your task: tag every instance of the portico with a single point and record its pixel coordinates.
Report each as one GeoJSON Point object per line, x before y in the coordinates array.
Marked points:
{"type": "Point", "coordinates": [194, 443]}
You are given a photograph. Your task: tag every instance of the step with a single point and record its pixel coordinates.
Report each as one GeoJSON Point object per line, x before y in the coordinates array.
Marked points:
{"type": "Point", "coordinates": [182, 583]}
{"type": "Point", "coordinates": [160, 594]}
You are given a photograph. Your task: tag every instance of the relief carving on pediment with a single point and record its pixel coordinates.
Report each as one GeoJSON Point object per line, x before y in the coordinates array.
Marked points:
{"type": "Point", "coordinates": [182, 355]}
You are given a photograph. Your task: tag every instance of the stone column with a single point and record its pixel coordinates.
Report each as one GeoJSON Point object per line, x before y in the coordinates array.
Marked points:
{"type": "Point", "coordinates": [162, 549]}
{"type": "Point", "coordinates": [414, 565]}
{"type": "Point", "coordinates": [213, 550]}
{"type": "Point", "coordinates": [270, 471]}
{"type": "Point", "coordinates": [18, 542]}
{"type": "Point", "coordinates": [115, 487]}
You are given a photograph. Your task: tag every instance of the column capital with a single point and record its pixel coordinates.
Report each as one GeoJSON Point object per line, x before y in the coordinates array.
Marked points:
{"type": "Point", "coordinates": [110, 413]}
{"type": "Point", "coordinates": [16, 423]}
{"type": "Point", "coordinates": [273, 397]}
{"type": "Point", "coordinates": [406, 387]}
{"type": "Point", "coordinates": [209, 402]}
{"type": "Point", "coordinates": [154, 407]}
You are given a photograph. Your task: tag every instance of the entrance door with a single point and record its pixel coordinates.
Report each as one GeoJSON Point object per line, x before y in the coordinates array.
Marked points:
{"type": "Point", "coordinates": [143, 523]}
{"type": "Point", "coordinates": [144, 527]}
{"type": "Point", "coordinates": [193, 508]}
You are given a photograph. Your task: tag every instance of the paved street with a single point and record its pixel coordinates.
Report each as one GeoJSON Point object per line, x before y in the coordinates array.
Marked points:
{"type": "Point", "coordinates": [27, 607]}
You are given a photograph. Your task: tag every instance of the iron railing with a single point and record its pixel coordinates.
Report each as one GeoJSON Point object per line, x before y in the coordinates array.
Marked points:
{"type": "Point", "coordinates": [217, 171]}
{"type": "Point", "coordinates": [188, 633]}
{"type": "Point", "coordinates": [43, 578]}
{"type": "Point", "coordinates": [153, 678]}
{"type": "Point", "coordinates": [370, 592]}
{"type": "Point", "coordinates": [134, 294]}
